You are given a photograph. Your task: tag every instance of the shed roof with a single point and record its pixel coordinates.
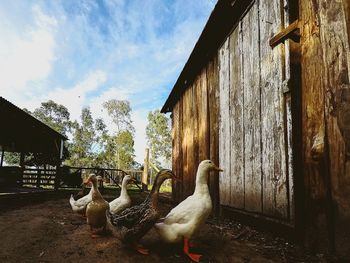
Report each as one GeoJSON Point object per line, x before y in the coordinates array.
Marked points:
{"type": "Point", "coordinates": [20, 131]}
{"type": "Point", "coordinates": [221, 22]}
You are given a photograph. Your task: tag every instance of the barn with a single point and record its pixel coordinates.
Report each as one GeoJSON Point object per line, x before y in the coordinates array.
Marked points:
{"type": "Point", "coordinates": [21, 133]}
{"type": "Point", "coordinates": [265, 94]}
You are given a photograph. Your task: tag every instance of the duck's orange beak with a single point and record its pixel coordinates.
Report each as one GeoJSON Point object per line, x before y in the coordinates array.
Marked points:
{"type": "Point", "coordinates": [87, 181]}
{"type": "Point", "coordinates": [218, 169]}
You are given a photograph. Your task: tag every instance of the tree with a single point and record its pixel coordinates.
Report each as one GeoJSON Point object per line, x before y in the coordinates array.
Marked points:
{"type": "Point", "coordinates": [159, 137]}
{"type": "Point", "coordinates": [125, 142]}
{"type": "Point", "coordinates": [82, 153]}
{"type": "Point", "coordinates": [54, 115]}
{"type": "Point", "coordinates": [119, 111]}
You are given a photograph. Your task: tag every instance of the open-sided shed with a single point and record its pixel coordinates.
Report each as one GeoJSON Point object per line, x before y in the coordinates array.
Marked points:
{"type": "Point", "coordinates": [21, 132]}
{"type": "Point", "coordinates": [265, 94]}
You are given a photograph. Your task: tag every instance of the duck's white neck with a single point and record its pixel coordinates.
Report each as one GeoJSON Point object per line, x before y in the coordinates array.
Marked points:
{"type": "Point", "coordinates": [202, 182]}
{"type": "Point", "coordinates": [124, 192]}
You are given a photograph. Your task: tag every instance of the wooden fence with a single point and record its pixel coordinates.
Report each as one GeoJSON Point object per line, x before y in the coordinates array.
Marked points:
{"type": "Point", "coordinates": [68, 177]}
{"type": "Point", "coordinates": [39, 177]}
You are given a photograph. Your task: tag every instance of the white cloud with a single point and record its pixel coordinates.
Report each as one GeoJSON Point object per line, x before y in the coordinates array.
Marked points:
{"type": "Point", "coordinates": [139, 119]}
{"type": "Point", "coordinates": [25, 56]}
{"type": "Point", "coordinates": [73, 98]}
{"type": "Point", "coordinates": [138, 48]}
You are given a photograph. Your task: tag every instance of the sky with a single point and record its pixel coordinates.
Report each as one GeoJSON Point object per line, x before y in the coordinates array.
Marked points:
{"type": "Point", "coordinates": [83, 53]}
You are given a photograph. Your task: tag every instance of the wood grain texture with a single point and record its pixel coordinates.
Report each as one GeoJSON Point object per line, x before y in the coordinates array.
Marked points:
{"type": "Point", "coordinates": [292, 94]}
{"type": "Point", "coordinates": [224, 131]}
{"type": "Point", "coordinates": [274, 169]}
{"type": "Point", "coordinates": [195, 128]}
{"type": "Point", "coordinates": [236, 119]}
{"type": "Point", "coordinates": [203, 118]}
{"type": "Point", "coordinates": [213, 105]}
{"type": "Point", "coordinates": [176, 157]}
{"type": "Point", "coordinates": [186, 141]}
{"type": "Point", "coordinates": [313, 124]}
{"type": "Point", "coordinates": [335, 55]}
{"type": "Point", "coordinates": [252, 129]}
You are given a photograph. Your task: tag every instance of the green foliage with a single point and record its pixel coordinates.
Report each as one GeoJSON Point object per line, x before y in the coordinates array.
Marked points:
{"type": "Point", "coordinates": [54, 115]}
{"type": "Point", "coordinates": [11, 158]}
{"type": "Point", "coordinates": [119, 111]}
{"type": "Point", "coordinates": [159, 137]}
{"type": "Point", "coordinates": [125, 149]}
{"type": "Point", "coordinates": [91, 144]}
{"type": "Point", "coordinates": [84, 136]}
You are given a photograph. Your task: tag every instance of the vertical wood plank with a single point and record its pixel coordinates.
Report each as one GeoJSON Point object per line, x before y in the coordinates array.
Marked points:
{"type": "Point", "coordinates": [203, 118]}
{"type": "Point", "coordinates": [274, 168]}
{"type": "Point", "coordinates": [195, 127]}
{"type": "Point", "coordinates": [189, 173]}
{"type": "Point", "coordinates": [236, 120]}
{"type": "Point", "coordinates": [313, 125]}
{"type": "Point", "coordinates": [185, 143]}
{"type": "Point", "coordinates": [176, 185]}
{"type": "Point", "coordinates": [290, 154]}
{"type": "Point", "coordinates": [336, 56]}
{"type": "Point", "coordinates": [292, 105]}
{"type": "Point", "coordinates": [213, 106]}
{"type": "Point", "coordinates": [252, 138]}
{"type": "Point", "coordinates": [180, 167]}
{"type": "Point", "coordinates": [224, 134]}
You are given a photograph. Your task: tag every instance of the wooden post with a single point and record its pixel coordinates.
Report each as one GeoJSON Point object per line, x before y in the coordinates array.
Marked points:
{"type": "Point", "coordinates": [2, 157]}
{"type": "Point", "coordinates": [38, 176]}
{"type": "Point", "coordinates": [58, 165]}
{"type": "Point", "coordinates": [145, 170]}
{"type": "Point", "coordinates": [21, 164]}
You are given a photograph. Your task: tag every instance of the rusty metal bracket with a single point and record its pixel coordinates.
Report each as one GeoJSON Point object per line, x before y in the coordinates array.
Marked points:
{"type": "Point", "coordinates": [292, 31]}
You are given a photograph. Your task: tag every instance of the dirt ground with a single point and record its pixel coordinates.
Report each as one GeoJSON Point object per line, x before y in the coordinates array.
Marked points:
{"type": "Point", "coordinates": [50, 232]}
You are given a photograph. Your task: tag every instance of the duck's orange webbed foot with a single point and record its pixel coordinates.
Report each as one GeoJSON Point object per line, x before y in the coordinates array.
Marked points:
{"type": "Point", "coordinates": [141, 249]}
{"type": "Point", "coordinates": [192, 256]}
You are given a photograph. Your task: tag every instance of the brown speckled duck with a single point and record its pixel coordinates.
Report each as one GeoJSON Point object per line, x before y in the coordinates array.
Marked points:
{"type": "Point", "coordinates": [134, 222]}
{"type": "Point", "coordinates": [96, 209]}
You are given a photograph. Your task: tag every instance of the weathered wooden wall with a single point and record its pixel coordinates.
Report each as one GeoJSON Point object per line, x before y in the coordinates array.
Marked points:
{"type": "Point", "coordinates": [195, 132]}
{"type": "Point", "coordinates": [276, 120]}
{"type": "Point", "coordinates": [254, 117]}
{"type": "Point", "coordinates": [326, 122]}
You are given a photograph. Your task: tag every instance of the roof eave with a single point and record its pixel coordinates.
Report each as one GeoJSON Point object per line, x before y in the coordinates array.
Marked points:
{"type": "Point", "coordinates": [222, 20]}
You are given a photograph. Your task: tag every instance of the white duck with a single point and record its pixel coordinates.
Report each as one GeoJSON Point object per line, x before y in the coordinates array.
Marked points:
{"type": "Point", "coordinates": [79, 206]}
{"type": "Point", "coordinates": [188, 216]}
{"type": "Point", "coordinates": [123, 201]}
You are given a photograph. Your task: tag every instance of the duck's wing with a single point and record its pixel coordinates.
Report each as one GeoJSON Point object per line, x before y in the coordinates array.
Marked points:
{"type": "Point", "coordinates": [145, 223]}
{"type": "Point", "coordinates": [129, 217]}
{"type": "Point", "coordinates": [182, 213]}
{"type": "Point", "coordinates": [83, 201]}
{"type": "Point", "coordinates": [119, 205]}
{"type": "Point", "coordinates": [115, 203]}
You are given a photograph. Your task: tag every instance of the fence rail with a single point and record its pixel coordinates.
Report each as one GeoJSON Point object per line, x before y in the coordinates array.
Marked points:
{"type": "Point", "coordinates": [110, 176]}
{"type": "Point", "coordinates": [39, 177]}
{"type": "Point", "coordinates": [69, 176]}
